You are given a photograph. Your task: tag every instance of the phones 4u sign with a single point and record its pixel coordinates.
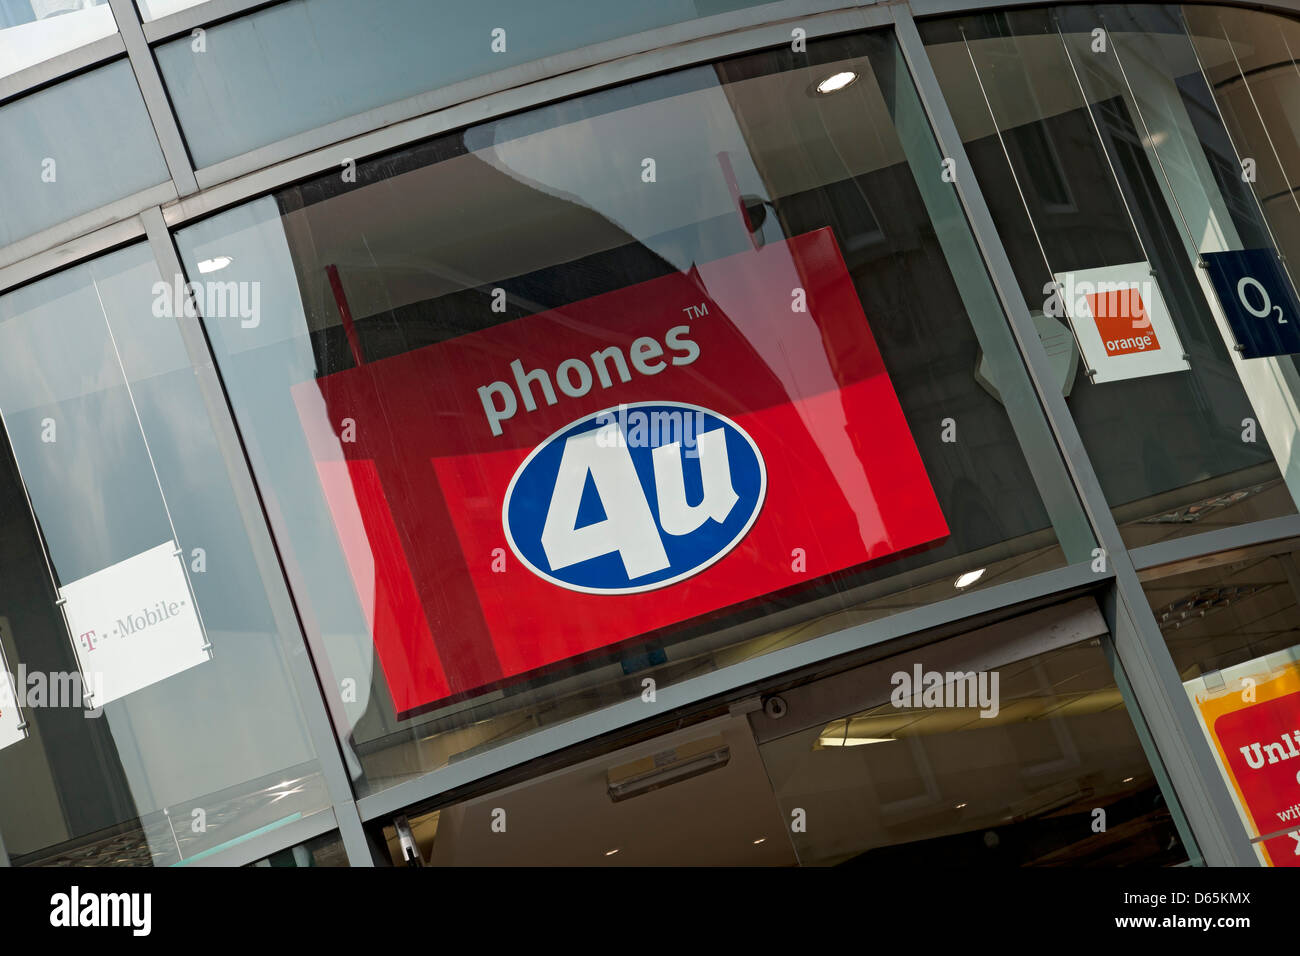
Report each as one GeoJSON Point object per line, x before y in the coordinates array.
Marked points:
{"type": "Point", "coordinates": [564, 483]}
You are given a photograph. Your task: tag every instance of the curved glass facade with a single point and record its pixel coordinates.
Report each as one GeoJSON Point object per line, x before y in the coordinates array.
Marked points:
{"type": "Point", "coordinates": [871, 431]}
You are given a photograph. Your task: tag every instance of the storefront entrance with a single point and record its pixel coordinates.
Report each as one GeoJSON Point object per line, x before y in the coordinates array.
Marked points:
{"type": "Point", "coordinates": [1005, 745]}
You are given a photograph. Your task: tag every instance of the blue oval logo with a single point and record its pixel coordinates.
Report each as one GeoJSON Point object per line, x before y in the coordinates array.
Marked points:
{"type": "Point", "coordinates": [634, 498]}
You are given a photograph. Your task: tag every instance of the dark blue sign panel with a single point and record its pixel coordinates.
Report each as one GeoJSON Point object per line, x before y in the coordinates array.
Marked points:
{"type": "Point", "coordinates": [1258, 300]}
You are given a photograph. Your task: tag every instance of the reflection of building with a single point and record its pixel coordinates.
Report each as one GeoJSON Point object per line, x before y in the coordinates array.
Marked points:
{"type": "Point", "coordinates": [388, 582]}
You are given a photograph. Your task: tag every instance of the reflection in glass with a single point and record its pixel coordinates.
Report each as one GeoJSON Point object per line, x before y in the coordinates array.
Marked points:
{"type": "Point", "coordinates": [1040, 768]}
{"type": "Point", "coordinates": [1231, 627]}
{"type": "Point", "coordinates": [296, 66]}
{"type": "Point", "coordinates": [744, 243]}
{"type": "Point", "coordinates": [73, 147]}
{"type": "Point", "coordinates": [1135, 131]}
{"type": "Point", "coordinates": [32, 31]}
{"type": "Point", "coordinates": [106, 426]}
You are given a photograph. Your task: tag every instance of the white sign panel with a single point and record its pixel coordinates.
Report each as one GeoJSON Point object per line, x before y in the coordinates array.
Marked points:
{"type": "Point", "coordinates": [11, 717]}
{"type": "Point", "coordinates": [11, 730]}
{"type": "Point", "coordinates": [1120, 317]}
{"type": "Point", "coordinates": [134, 624]}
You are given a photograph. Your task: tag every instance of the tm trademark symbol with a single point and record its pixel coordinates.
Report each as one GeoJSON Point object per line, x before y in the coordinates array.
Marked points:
{"type": "Point", "coordinates": [696, 311]}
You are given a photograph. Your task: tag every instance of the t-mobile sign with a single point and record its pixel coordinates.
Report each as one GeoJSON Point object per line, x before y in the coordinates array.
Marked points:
{"type": "Point", "coordinates": [555, 486]}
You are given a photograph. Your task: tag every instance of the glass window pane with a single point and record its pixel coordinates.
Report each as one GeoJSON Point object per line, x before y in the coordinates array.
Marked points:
{"type": "Point", "coordinates": [1250, 60]}
{"type": "Point", "coordinates": [780, 261]}
{"type": "Point", "coordinates": [73, 147]}
{"type": "Point", "coordinates": [1230, 625]}
{"type": "Point", "coordinates": [1109, 165]}
{"type": "Point", "coordinates": [168, 726]}
{"type": "Point", "coordinates": [302, 64]}
{"type": "Point", "coordinates": [32, 31]}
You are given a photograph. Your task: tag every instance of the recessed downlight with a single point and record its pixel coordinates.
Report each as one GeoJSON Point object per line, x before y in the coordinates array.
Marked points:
{"type": "Point", "coordinates": [836, 81]}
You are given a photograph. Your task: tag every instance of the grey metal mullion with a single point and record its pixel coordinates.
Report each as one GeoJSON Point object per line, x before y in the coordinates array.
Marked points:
{"type": "Point", "coordinates": [4, 854]}
{"type": "Point", "coordinates": [288, 623]}
{"type": "Point", "coordinates": [730, 679]}
{"type": "Point", "coordinates": [1210, 542]}
{"type": "Point", "coordinates": [1117, 622]}
{"type": "Point", "coordinates": [1140, 648]}
{"type": "Point", "coordinates": [165, 124]}
{"type": "Point", "coordinates": [56, 241]}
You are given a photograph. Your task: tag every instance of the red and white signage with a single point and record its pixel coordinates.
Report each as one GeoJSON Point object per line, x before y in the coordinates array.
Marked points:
{"type": "Point", "coordinates": [417, 455]}
{"type": "Point", "coordinates": [1122, 322]}
{"type": "Point", "coordinates": [1254, 724]}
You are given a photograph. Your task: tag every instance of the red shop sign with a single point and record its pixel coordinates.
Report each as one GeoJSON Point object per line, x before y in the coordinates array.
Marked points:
{"type": "Point", "coordinates": [495, 524]}
{"type": "Point", "coordinates": [1261, 744]}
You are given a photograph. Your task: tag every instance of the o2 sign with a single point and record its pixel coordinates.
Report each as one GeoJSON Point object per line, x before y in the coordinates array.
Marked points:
{"type": "Point", "coordinates": [1248, 290]}
{"type": "Point", "coordinates": [1258, 301]}
{"type": "Point", "coordinates": [634, 498]}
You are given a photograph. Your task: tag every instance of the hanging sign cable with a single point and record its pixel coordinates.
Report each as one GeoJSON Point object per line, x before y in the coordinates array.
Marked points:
{"type": "Point", "coordinates": [1023, 201]}
{"type": "Point", "coordinates": [1249, 290]}
{"type": "Point", "coordinates": [1119, 186]}
{"type": "Point", "coordinates": [178, 553]}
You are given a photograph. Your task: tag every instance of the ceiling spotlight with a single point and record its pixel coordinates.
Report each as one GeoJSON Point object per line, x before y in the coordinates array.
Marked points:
{"type": "Point", "coordinates": [760, 840]}
{"type": "Point", "coordinates": [1127, 780]}
{"type": "Point", "coordinates": [836, 82]}
{"type": "Point", "coordinates": [215, 264]}
{"type": "Point", "coordinates": [959, 806]}
{"type": "Point", "coordinates": [611, 852]}
{"type": "Point", "coordinates": [969, 578]}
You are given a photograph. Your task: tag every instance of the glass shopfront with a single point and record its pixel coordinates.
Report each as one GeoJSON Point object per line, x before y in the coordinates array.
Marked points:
{"type": "Point", "coordinates": [1037, 765]}
{"type": "Point", "coordinates": [651, 472]}
{"type": "Point", "coordinates": [759, 249]}
{"type": "Point", "coordinates": [150, 714]}
{"type": "Point", "coordinates": [1097, 136]}
{"type": "Point", "coordinates": [1231, 627]}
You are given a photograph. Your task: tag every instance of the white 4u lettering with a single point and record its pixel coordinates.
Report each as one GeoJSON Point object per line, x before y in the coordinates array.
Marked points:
{"type": "Point", "coordinates": [629, 528]}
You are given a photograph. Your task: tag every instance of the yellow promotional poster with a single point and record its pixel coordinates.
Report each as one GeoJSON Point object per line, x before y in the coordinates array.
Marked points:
{"type": "Point", "coordinates": [1254, 722]}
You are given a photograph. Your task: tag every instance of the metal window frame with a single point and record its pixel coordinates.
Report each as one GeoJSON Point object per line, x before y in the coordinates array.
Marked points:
{"type": "Point", "coordinates": [1145, 672]}
{"type": "Point", "coordinates": [265, 552]}
{"type": "Point", "coordinates": [166, 124]}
